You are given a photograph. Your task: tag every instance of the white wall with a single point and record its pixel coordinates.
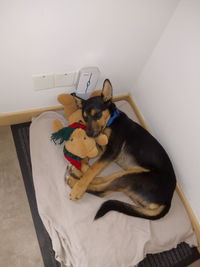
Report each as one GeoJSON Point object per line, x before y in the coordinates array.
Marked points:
{"type": "Point", "coordinates": [56, 36]}
{"type": "Point", "coordinates": [168, 93]}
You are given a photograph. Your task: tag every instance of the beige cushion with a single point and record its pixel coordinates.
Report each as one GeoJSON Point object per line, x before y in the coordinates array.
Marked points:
{"type": "Point", "coordinates": [78, 240]}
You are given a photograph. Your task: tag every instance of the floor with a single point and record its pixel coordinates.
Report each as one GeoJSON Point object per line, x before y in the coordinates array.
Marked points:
{"type": "Point", "coordinates": [18, 243]}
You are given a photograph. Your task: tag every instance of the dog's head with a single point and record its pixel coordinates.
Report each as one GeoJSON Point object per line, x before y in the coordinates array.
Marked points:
{"type": "Point", "coordinates": [97, 110]}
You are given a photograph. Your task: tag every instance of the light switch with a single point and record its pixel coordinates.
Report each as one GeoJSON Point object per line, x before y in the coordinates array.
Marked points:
{"type": "Point", "coordinates": [41, 82]}
{"type": "Point", "coordinates": [65, 79]}
{"type": "Point", "coordinates": [87, 80]}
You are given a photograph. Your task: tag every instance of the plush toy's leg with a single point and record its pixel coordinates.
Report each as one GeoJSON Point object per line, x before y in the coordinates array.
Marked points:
{"type": "Point", "coordinates": [102, 139]}
{"type": "Point", "coordinates": [69, 104]}
{"type": "Point", "coordinates": [57, 125]}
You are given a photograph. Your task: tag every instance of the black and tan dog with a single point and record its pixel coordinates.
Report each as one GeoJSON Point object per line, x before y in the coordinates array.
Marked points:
{"type": "Point", "coordinates": [147, 178]}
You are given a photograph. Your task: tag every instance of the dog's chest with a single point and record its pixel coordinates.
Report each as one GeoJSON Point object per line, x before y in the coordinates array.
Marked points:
{"type": "Point", "coordinates": [125, 160]}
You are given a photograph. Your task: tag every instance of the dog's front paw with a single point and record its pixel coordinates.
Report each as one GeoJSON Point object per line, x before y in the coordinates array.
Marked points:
{"type": "Point", "coordinates": [77, 191]}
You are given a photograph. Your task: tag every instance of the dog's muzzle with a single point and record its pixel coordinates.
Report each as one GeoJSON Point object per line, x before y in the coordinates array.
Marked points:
{"type": "Point", "coordinates": [92, 133]}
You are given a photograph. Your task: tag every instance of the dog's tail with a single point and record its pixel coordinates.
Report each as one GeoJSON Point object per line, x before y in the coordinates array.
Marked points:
{"type": "Point", "coordinates": [152, 213]}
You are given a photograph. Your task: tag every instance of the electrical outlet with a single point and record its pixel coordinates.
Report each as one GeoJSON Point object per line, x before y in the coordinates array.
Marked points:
{"type": "Point", "coordinates": [41, 82]}
{"type": "Point", "coordinates": [66, 79]}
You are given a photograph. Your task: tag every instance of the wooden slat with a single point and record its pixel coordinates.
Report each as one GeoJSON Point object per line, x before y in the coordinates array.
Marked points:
{"type": "Point", "coordinates": [138, 114]}
{"type": "Point", "coordinates": [190, 212]}
{"type": "Point", "coordinates": [25, 116]}
{"type": "Point", "coordinates": [191, 215]}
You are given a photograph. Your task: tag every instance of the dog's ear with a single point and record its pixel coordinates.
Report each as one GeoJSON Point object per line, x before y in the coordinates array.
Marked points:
{"type": "Point", "coordinates": [107, 91]}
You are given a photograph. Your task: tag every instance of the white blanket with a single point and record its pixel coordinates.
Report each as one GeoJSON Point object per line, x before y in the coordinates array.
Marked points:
{"type": "Point", "coordinates": [115, 240]}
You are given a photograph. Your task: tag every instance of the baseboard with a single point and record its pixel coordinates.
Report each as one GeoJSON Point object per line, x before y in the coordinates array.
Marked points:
{"type": "Point", "coordinates": [25, 116]}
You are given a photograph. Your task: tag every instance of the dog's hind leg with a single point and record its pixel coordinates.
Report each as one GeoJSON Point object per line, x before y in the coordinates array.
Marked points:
{"type": "Point", "coordinates": [151, 201]}
{"type": "Point", "coordinates": [103, 186]}
{"type": "Point", "coordinates": [109, 178]}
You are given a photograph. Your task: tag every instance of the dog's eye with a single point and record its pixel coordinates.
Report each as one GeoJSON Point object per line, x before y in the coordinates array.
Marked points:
{"type": "Point", "coordinates": [97, 116]}
{"type": "Point", "coordinates": [71, 139]}
{"type": "Point", "coordinates": [85, 117]}
{"type": "Point", "coordinates": [84, 138]}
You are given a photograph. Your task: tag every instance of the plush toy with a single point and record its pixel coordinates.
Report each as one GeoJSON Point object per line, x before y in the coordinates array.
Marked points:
{"type": "Point", "coordinates": [74, 114]}
{"type": "Point", "coordinates": [78, 147]}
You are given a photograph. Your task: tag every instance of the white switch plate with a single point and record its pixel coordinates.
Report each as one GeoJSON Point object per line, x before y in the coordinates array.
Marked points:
{"type": "Point", "coordinates": [65, 79]}
{"type": "Point", "coordinates": [41, 82]}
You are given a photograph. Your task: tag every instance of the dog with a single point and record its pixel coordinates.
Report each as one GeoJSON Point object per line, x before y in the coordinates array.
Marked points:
{"type": "Point", "coordinates": [147, 178]}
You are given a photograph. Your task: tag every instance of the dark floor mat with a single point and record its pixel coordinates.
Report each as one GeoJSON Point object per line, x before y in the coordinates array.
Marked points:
{"type": "Point", "coordinates": [182, 256]}
{"type": "Point", "coordinates": [21, 139]}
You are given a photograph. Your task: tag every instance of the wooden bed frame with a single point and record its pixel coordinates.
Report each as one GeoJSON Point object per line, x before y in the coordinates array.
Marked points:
{"type": "Point", "coordinates": [25, 116]}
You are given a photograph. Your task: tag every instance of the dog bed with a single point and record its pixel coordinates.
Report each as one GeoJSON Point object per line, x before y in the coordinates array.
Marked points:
{"type": "Point", "coordinates": [78, 240]}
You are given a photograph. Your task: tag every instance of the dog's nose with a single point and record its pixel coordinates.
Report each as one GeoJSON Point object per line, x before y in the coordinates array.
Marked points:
{"type": "Point", "coordinates": [89, 132]}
